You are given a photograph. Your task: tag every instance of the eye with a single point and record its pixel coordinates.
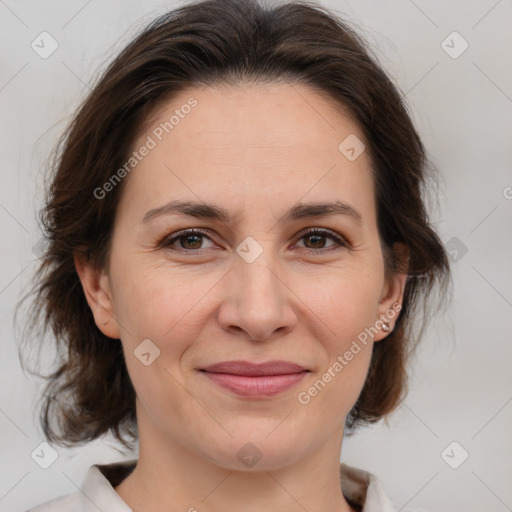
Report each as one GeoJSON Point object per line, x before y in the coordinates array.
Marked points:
{"type": "Point", "coordinates": [315, 237]}
{"type": "Point", "coordinates": [189, 240]}
{"type": "Point", "coordinates": [192, 240]}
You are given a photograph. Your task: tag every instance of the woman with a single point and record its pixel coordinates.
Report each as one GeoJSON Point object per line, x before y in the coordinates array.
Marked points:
{"type": "Point", "coordinates": [237, 247]}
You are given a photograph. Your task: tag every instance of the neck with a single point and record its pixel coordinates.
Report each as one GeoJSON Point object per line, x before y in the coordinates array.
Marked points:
{"type": "Point", "coordinates": [168, 476]}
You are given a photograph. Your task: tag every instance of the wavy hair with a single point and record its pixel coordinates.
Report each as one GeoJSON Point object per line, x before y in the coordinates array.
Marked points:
{"type": "Point", "coordinates": [89, 393]}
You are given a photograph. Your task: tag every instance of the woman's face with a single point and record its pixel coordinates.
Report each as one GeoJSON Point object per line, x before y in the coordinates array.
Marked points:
{"type": "Point", "coordinates": [246, 163]}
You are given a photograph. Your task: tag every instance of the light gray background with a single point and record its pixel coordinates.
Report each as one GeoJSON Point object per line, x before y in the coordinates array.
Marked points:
{"type": "Point", "coordinates": [461, 385]}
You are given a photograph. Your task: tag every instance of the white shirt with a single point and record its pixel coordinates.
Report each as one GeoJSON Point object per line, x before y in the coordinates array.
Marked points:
{"type": "Point", "coordinates": [361, 488]}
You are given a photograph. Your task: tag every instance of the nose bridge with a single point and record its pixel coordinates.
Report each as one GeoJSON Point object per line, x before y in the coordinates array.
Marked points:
{"type": "Point", "coordinates": [259, 284]}
{"type": "Point", "coordinates": [258, 301]}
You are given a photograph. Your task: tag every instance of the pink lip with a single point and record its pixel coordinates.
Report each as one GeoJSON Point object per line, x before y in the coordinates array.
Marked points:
{"type": "Point", "coordinates": [266, 379]}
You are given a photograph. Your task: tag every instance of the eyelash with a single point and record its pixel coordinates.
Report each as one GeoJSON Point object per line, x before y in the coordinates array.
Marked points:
{"type": "Point", "coordinates": [341, 242]}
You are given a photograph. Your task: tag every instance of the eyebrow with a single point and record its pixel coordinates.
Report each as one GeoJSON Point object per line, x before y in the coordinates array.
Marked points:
{"type": "Point", "coordinates": [215, 212]}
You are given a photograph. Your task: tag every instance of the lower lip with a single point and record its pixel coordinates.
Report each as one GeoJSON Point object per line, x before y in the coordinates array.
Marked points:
{"type": "Point", "coordinates": [268, 385]}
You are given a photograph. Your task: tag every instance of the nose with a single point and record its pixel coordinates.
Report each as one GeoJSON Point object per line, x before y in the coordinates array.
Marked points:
{"type": "Point", "coordinates": [258, 301]}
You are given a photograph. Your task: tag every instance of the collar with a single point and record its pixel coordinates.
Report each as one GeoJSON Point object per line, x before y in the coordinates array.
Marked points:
{"type": "Point", "coordinates": [361, 488]}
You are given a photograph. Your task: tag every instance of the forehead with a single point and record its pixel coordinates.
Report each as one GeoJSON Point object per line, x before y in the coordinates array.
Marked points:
{"type": "Point", "coordinates": [269, 142]}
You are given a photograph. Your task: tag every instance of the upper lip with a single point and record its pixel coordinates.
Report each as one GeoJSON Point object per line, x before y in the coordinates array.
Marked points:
{"type": "Point", "coordinates": [254, 370]}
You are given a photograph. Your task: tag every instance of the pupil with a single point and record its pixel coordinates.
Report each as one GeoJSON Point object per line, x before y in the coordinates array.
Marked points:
{"type": "Point", "coordinates": [192, 237]}
{"type": "Point", "coordinates": [318, 239]}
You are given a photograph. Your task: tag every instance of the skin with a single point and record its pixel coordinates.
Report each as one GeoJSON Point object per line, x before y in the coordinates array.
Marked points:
{"type": "Point", "coordinates": [256, 150]}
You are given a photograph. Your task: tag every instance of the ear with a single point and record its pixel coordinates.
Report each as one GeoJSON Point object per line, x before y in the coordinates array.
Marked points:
{"type": "Point", "coordinates": [392, 295]}
{"type": "Point", "coordinates": [96, 286]}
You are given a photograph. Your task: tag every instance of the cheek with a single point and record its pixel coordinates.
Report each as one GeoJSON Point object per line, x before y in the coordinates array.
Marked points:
{"type": "Point", "coordinates": [332, 393]}
{"type": "Point", "coordinates": [166, 305]}
{"type": "Point", "coordinates": [170, 305]}
{"type": "Point", "coordinates": [332, 390]}
{"type": "Point", "coordinates": [348, 306]}
{"type": "Point", "coordinates": [346, 303]}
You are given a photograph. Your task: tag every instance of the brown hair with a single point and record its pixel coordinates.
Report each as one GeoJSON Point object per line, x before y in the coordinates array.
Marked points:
{"type": "Point", "coordinates": [206, 43]}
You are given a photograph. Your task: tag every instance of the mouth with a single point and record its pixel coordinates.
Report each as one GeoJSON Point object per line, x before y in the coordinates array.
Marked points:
{"type": "Point", "coordinates": [255, 380]}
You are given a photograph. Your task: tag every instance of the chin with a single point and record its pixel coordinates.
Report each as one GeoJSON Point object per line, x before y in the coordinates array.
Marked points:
{"type": "Point", "coordinates": [257, 451]}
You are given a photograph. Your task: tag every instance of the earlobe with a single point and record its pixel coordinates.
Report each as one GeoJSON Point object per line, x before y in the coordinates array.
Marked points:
{"type": "Point", "coordinates": [96, 287]}
{"type": "Point", "coordinates": [393, 293]}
